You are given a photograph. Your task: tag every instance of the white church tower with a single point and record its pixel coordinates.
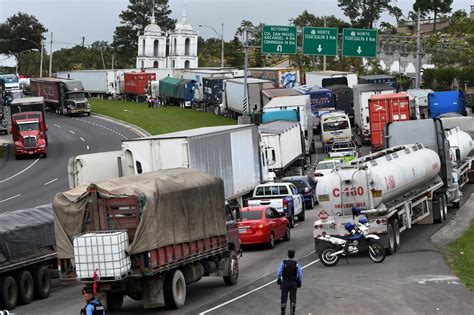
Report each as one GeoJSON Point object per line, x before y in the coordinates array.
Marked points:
{"type": "Point", "coordinates": [152, 46]}
{"type": "Point", "coordinates": [183, 45]}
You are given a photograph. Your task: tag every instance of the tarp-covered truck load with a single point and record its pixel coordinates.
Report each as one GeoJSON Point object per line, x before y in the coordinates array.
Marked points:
{"type": "Point", "coordinates": [177, 226]}
{"type": "Point", "coordinates": [169, 87]}
{"type": "Point", "coordinates": [27, 250]}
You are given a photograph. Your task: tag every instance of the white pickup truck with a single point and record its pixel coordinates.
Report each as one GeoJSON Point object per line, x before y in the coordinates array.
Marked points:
{"type": "Point", "coordinates": [284, 197]}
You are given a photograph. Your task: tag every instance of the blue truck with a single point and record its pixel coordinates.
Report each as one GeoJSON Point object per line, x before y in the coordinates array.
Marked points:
{"type": "Point", "coordinates": [322, 101]}
{"type": "Point", "coordinates": [440, 103]}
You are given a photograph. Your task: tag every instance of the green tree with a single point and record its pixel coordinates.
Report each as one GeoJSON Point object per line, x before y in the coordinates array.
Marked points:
{"type": "Point", "coordinates": [364, 13]}
{"type": "Point", "coordinates": [234, 53]}
{"type": "Point", "coordinates": [134, 20]}
{"type": "Point", "coordinates": [435, 6]}
{"type": "Point", "coordinates": [16, 27]}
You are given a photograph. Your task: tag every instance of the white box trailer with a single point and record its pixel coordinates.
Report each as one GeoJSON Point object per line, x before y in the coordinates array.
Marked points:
{"type": "Point", "coordinates": [234, 94]}
{"type": "Point", "coordinates": [94, 81]}
{"type": "Point", "coordinates": [328, 78]}
{"type": "Point", "coordinates": [362, 94]}
{"type": "Point", "coordinates": [281, 143]}
{"type": "Point", "coordinates": [300, 103]}
{"type": "Point", "coordinates": [229, 152]}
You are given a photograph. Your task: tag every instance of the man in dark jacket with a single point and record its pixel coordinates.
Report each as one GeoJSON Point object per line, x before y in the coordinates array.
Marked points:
{"type": "Point", "coordinates": [93, 306]}
{"type": "Point", "coordinates": [289, 277]}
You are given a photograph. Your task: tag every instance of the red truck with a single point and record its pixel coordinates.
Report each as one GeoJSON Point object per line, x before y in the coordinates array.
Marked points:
{"type": "Point", "coordinates": [62, 96]}
{"type": "Point", "coordinates": [383, 109]}
{"type": "Point", "coordinates": [29, 127]}
{"type": "Point", "coordinates": [147, 236]}
{"type": "Point", "coordinates": [138, 83]}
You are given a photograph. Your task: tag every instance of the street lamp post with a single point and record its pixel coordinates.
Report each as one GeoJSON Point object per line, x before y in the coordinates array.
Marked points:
{"type": "Point", "coordinates": [221, 35]}
{"type": "Point", "coordinates": [41, 48]}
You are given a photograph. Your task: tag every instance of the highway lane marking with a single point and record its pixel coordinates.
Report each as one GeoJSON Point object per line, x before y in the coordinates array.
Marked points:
{"type": "Point", "coordinates": [4, 180]}
{"type": "Point", "coordinates": [51, 181]}
{"type": "Point", "coordinates": [57, 126]}
{"type": "Point", "coordinates": [82, 139]}
{"type": "Point", "coordinates": [250, 292]}
{"type": "Point", "coordinates": [10, 198]}
{"type": "Point", "coordinates": [72, 132]}
{"type": "Point", "coordinates": [87, 147]}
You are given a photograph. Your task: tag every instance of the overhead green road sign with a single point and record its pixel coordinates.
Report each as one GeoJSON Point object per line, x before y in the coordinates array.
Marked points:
{"type": "Point", "coordinates": [279, 39]}
{"type": "Point", "coordinates": [359, 42]}
{"type": "Point", "coordinates": [321, 41]}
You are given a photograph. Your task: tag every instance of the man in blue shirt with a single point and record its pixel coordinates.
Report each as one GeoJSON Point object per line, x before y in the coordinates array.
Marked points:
{"type": "Point", "coordinates": [93, 306]}
{"type": "Point", "coordinates": [289, 277]}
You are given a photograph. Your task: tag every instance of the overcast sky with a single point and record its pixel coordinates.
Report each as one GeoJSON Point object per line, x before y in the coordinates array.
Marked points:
{"type": "Point", "coordinates": [69, 20]}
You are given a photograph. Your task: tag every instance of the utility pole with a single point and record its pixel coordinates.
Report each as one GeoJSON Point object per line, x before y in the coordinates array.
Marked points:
{"type": "Point", "coordinates": [324, 57]}
{"type": "Point", "coordinates": [246, 60]}
{"type": "Point", "coordinates": [418, 51]}
{"type": "Point", "coordinates": [222, 45]}
{"type": "Point", "coordinates": [83, 39]}
{"type": "Point", "coordinates": [41, 60]}
{"type": "Point", "coordinates": [51, 55]}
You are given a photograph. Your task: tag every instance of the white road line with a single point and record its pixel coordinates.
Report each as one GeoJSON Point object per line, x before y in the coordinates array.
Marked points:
{"type": "Point", "coordinates": [51, 181]}
{"type": "Point", "coordinates": [250, 292]}
{"type": "Point", "coordinates": [72, 132]}
{"type": "Point", "coordinates": [82, 139]}
{"type": "Point", "coordinates": [87, 147]}
{"type": "Point", "coordinates": [4, 180]}
{"type": "Point", "coordinates": [10, 198]}
{"type": "Point", "coordinates": [57, 126]}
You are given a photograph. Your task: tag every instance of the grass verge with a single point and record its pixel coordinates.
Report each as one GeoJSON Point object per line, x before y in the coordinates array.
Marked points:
{"type": "Point", "coordinates": [460, 257]}
{"type": "Point", "coordinates": [158, 120]}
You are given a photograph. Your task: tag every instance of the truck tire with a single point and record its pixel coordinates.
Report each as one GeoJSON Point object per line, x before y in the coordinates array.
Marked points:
{"type": "Point", "coordinates": [114, 301]}
{"type": "Point", "coordinates": [175, 289]}
{"type": "Point", "coordinates": [26, 287]}
{"type": "Point", "coordinates": [445, 206]}
{"type": "Point", "coordinates": [396, 230]}
{"type": "Point", "coordinates": [42, 282]}
{"type": "Point", "coordinates": [390, 239]}
{"type": "Point", "coordinates": [291, 219]}
{"type": "Point", "coordinates": [8, 293]}
{"type": "Point", "coordinates": [437, 208]}
{"type": "Point", "coordinates": [233, 270]}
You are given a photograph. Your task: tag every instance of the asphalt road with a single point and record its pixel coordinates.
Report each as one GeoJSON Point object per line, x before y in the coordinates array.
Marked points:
{"type": "Point", "coordinates": [31, 182]}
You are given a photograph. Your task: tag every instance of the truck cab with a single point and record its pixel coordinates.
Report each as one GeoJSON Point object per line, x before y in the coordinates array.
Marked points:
{"type": "Point", "coordinates": [335, 126]}
{"type": "Point", "coordinates": [29, 134]}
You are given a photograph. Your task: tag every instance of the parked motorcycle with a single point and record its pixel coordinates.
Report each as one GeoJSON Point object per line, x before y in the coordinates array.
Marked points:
{"type": "Point", "coordinates": [358, 238]}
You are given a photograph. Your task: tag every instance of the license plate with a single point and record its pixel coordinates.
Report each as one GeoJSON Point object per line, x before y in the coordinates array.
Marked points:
{"type": "Point", "coordinates": [30, 152]}
{"type": "Point", "coordinates": [242, 230]}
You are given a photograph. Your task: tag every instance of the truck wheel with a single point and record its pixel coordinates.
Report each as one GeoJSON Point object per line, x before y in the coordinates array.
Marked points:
{"type": "Point", "coordinates": [437, 209]}
{"type": "Point", "coordinates": [175, 289]}
{"type": "Point", "coordinates": [291, 219]}
{"type": "Point", "coordinates": [88, 114]}
{"type": "Point", "coordinates": [42, 282]}
{"type": "Point", "coordinates": [396, 231]}
{"type": "Point", "coordinates": [391, 239]}
{"type": "Point", "coordinates": [8, 293]}
{"type": "Point", "coordinates": [302, 215]}
{"type": "Point", "coordinates": [233, 270]}
{"type": "Point", "coordinates": [114, 301]}
{"type": "Point", "coordinates": [26, 287]}
{"type": "Point", "coordinates": [445, 207]}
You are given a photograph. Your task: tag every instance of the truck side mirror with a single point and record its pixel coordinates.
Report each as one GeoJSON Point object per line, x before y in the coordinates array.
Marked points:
{"type": "Point", "coordinates": [46, 127]}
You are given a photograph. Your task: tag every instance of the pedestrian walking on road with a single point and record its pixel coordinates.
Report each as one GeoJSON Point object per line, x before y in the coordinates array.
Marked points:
{"type": "Point", "coordinates": [290, 278]}
{"type": "Point", "coordinates": [93, 306]}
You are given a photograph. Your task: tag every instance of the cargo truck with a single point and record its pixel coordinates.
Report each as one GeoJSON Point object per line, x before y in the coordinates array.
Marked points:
{"type": "Point", "coordinates": [281, 77]}
{"type": "Point", "coordinates": [343, 99]}
{"type": "Point", "coordinates": [328, 78]}
{"type": "Point", "coordinates": [282, 144]}
{"type": "Point", "coordinates": [177, 91]}
{"type": "Point", "coordinates": [62, 96]}
{"type": "Point", "coordinates": [322, 101]}
{"type": "Point", "coordinates": [419, 103]}
{"type": "Point", "coordinates": [440, 103]}
{"type": "Point", "coordinates": [335, 126]}
{"type": "Point", "coordinates": [384, 109]}
{"type": "Point", "coordinates": [147, 236]}
{"type": "Point", "coordinates": [27, 255]}
{"type": "Point", "coordinates": [10, 81]}
{"type": "Point", "coordinates": [362, 93]}
{"type": "Point", "coordinates": [232, 153]}
{"type": "Point", "coordinates": [28, 127]}
{"type": "Point", "coordinates": [95, 82]}
{"type": "Point", "coordinates": [234, 95]}
{"type": "Point", "coordinates": [138, 84]}
{"type": "Point", "coordinates": [270, 94]}
{"type": "Point", "coordinates": [378, 79]}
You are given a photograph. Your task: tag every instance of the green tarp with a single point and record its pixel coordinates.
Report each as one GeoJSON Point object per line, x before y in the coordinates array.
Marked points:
{"type": "Point", "coordinates": [169, 87]}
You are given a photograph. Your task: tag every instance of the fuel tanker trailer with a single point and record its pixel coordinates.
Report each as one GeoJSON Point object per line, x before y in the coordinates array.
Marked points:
{"type": "Point", "coordinates": [395, 188]}
{"type": "Point", "coordinates": [460, 148]}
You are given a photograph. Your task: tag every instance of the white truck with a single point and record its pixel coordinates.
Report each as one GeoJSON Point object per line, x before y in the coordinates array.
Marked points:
{"type": "Point", "coordinates": [335, 126]}
{"type": "Point", "coordinates": [98, 82]}
{"type": "Point", "coordinates": [282, 144]}
{"type": "Point", "coordinates": [362, 94]}
{"type": "Point", "coordinates": [230, 152]}
{"type": "Point", "coordinates": [302, 105]}
{"type": "Point", "coordinates": [397, 187]}
{"type": "Point", "coordinates": [234, 95]}
{"type": "Point", "coordinates": [328, 78]}
{"type": "Point", "coordinates": [419, 103]}
{"type": "Point", "coordinates": [284, 197]}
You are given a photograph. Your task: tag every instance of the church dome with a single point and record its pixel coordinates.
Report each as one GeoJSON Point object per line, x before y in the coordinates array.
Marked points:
{"type": "Point", "coordinates": [152, 29]}
{"type": "Point", "coordinates": [183, 27]}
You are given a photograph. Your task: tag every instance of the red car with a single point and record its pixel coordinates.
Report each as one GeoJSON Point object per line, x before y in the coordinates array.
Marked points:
{"type": "Point", "coordinates": [263, 225]}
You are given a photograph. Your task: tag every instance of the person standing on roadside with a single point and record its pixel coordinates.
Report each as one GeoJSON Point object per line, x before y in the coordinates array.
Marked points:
{"type": "Point", "coordinates": [290, 278]}
{"type": "Point", "coordinates": [93, 306]}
